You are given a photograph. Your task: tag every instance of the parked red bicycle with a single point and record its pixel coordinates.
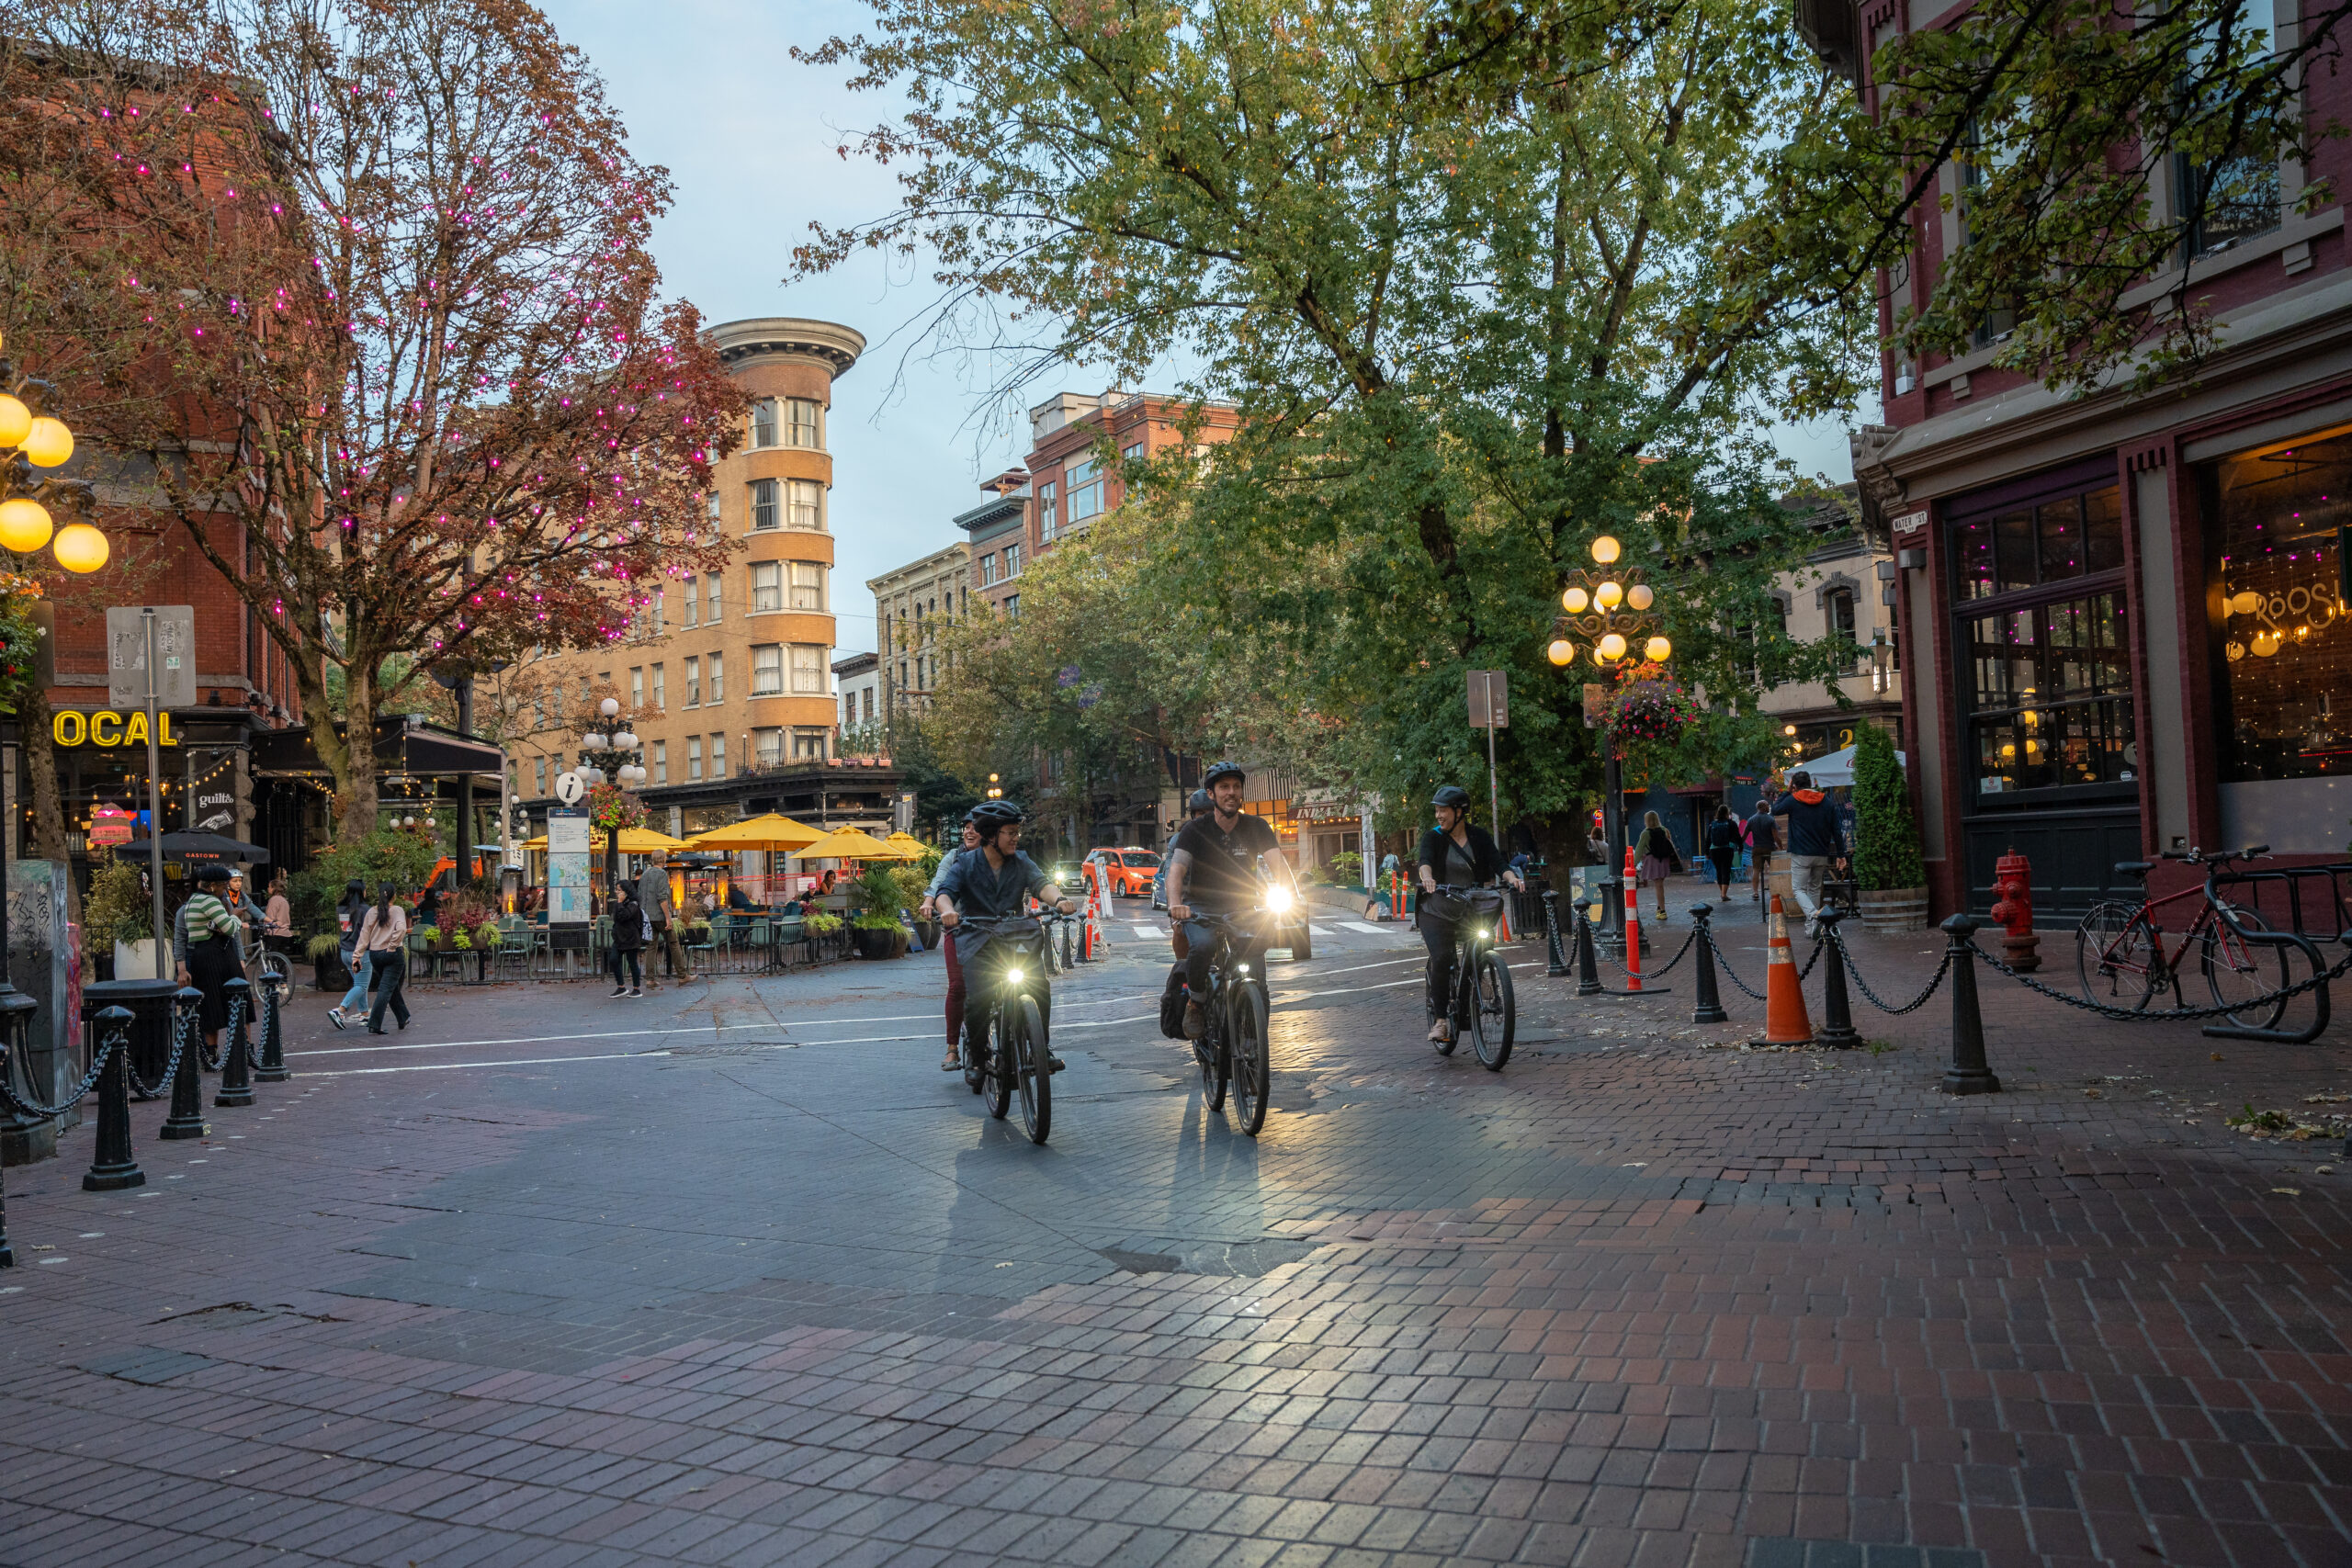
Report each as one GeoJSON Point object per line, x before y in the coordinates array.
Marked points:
{"type": "Point", "coordinates": [2121, 953]}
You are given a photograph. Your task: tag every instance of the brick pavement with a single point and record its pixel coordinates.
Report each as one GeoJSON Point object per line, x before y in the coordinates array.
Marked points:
{"type": "Point", "coordinates": [736, 1277]}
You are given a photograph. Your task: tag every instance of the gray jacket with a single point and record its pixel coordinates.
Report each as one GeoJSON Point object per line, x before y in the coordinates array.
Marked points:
{"type": "Point", "coordinates": [653, 892]}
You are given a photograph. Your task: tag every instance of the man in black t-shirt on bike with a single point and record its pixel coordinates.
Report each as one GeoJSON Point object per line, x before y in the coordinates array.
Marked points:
{"type": "Point", "coordinates": [1213, 868]}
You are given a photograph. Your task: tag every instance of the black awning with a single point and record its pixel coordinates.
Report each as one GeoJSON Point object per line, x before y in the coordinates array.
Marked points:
{"type": "Point", "coordinates": [404, 744]}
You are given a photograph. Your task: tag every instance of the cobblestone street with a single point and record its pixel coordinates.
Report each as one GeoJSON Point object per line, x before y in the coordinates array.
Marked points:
{"type": "Point", "coordinates": [734, 1275]}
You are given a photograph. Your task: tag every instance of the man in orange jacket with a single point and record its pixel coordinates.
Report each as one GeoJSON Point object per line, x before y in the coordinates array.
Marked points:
{"type": "Point", "coordinates": [1815, 837]}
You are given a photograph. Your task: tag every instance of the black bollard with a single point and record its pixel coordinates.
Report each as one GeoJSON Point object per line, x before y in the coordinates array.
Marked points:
{"type": "Point", "coordinates": [236, 1064]}
{"type": "Point", "coordinates": [1711, 1003]}
{"type": "Point", "coordinates": [1587, 967]}
{"type": "Point", "coordinates": [16, 1012]}
{"type": "Point", "coordinates": [1837, 1032]}
{"type": "Point", "coordinates": [1555, 956]}
{"type": "Point", "coordinates": [272, 1067]}
{"type": "Point", "coordinates": [112, 1166]}
{"type": "Point", "coordinates": [186, 1120]}
{"type": "Point", "coordinates": [1968, 1073]}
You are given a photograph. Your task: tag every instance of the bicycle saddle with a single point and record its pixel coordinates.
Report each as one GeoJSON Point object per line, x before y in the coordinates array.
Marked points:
{"type": "Point", "coordinates": [2133, 868]}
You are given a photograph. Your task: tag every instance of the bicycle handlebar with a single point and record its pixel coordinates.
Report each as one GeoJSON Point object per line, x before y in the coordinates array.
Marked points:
{"type": "Point", "coordinates": [2195, 857]}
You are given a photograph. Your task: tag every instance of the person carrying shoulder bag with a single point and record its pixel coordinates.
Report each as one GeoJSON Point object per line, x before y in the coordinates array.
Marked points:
{"type": "Point", "coordinates": [383, 947]}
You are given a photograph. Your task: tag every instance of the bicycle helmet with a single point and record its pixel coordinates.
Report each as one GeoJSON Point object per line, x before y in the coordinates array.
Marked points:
{"type": "Point", "coordinates": [1454, 796]}
{"type": "Point", "coordinates": [990, 815]}
{"type": "Point", "coordinates": [1222, 770]}
{"type": "Point", "coordinates": [1199, 802]}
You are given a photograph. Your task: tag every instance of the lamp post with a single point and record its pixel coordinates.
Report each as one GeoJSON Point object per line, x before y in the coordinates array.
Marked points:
{"type": "Point", "coordinates": [1610, 607]}
{"type": "Point", "coordinates": [618, 748]}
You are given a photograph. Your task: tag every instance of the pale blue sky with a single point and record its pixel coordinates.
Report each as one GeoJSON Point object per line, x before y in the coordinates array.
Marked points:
{"type": "Point", "coordinates": [707, 89]}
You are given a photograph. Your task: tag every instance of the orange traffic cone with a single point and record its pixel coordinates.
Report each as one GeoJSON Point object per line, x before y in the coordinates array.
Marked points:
{"type": "Point", "coordinates": [1785, 1022]}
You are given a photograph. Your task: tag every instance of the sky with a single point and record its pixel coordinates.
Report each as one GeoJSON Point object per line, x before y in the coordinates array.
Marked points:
{"type": "Point", "coordinates": [709, 90]}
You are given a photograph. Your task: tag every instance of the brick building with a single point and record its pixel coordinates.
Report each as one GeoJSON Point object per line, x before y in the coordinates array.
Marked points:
{"type": "Point", "coordinates": [913, 605]}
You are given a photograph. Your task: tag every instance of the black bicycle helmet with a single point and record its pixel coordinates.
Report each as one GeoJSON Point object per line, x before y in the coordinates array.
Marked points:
{"type": "Point", "coordinates": [1222, 770]}
{"type": "Point", "coordinates": [1199, 803]}
{"type": "Point", "coordinates": [990, 815]}
{"type": "Point", "coordinates": [1454, 796]}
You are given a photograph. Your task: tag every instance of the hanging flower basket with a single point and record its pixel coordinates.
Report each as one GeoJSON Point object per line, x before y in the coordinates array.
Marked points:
{"type": "Point", "coordinates": [1650, 709]}
{"type": "Point", "coordinates": [611, 806]}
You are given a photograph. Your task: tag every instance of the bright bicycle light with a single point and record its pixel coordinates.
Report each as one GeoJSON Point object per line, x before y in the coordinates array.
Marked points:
{"type": "Point", "coordinates": [1013, 976]}
{"type": "Point", "coordinates": [1278, 899]}
{"type": "Point", "coordinates": [1242, 969]}
{"type": "Point", "coordinates": [1484, 935]}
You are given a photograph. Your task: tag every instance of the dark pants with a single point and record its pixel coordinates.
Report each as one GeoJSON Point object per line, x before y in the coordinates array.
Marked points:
{"type": "Point", "coordinates": [1438, 936]}
{"type": "Point", "coordinates": [1723, 858]}
{"type": "Point", "coordinates": [389, 975]}
{"type": "Point", "coordinates": [986, 977]}
{"type": "Point", "coordinates": [1200, 947]}
{"type": "Point", "coordinates": [954, 990]}
{"type": "Point", "coordinates": [636, 975]}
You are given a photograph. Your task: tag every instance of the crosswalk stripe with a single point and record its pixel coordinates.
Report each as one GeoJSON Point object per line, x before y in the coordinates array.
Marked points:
{"type": "Point", "coordinates": [1149, 933]}
{"type": "Point", "coordinates": [1367, 926]}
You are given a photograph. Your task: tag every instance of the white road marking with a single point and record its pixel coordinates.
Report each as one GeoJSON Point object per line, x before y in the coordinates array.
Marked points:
{"type": "Point", "coordinates": [1150, 934]}
{"type": "Point", "coordinates": [1369, 927]}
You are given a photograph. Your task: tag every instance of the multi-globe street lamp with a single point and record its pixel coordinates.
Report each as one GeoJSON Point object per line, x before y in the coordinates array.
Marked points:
{"type": "Point", "coordinates": [1610, 607]}
{"type": "Point", "coordinates": [617, 747]}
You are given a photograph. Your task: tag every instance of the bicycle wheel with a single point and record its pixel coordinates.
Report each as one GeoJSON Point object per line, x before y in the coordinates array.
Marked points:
{"type": "Point", "coordinates": [2116, 954]}
{"type": "Point", "coordinates": [1036, 1077]}
{"type": "Point", "coordinates": [1252, 1066]}
{"type": "Point", "coordinates": [1216, 1066]}
{"type": "Point", "coordinates": [998, 1073]}
{"type": "Point", "coordinates": [1497, 1015]}
{"type": "Point", "coordinates": [2245, 977]}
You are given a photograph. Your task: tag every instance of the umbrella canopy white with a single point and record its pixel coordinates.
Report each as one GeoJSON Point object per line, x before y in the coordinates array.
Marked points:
{"type": "Point", "coordinates": [1836, 770]}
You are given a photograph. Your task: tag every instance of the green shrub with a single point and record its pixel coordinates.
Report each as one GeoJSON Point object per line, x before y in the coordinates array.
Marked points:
{"type": "Point", "coordinates": [487, 934]}
{"type": "Point", "coordinates": [118, 909]}
{"type": "Point", "coordinates": [883, 894]}
{"type": "Point", "coordinates": [388, 854]}
{"type": "Point", "coordinates": [323, 947]}
{"type": "Point", "coordinates": [1886, 848]}
{"type": "Point", "coordinates": [821, 922]}
{"type": "Point", "coordinates": [1345, 869]}
{"type": "Point", "coordinates": [428, 935]}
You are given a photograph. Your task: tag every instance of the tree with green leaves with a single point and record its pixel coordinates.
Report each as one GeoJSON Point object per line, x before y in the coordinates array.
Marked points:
{"type": "Point", "coordinates": [1886, 838]}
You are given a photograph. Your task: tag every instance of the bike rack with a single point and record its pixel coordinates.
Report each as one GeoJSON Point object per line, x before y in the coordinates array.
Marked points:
{"type": "Point", "coordinates": [2293, 877]}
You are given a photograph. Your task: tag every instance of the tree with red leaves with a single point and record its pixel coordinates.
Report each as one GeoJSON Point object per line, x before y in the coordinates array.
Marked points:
{"type": "Point", "coordinates": [403, 371]}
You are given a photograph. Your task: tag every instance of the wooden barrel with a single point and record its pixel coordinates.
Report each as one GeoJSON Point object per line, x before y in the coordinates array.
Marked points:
{"type": "Point", "coordinates": [1894, 909]}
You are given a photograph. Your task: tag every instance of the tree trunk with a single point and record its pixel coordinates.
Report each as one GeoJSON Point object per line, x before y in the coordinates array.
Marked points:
{"type": "Point", "coordinates": [49, 809]}
{"type": "Point", "coordinates": [349, 755]}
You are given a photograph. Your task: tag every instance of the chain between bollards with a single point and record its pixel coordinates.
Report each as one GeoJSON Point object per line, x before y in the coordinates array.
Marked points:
{"type": "Point", "coordinates": [236, 1089]}
{"type": "Point", "coordinates": [112, 1165]}
{"type": "Point", "coordinates": [1710, 1008]}
{"type": "Point", "coordinates": [272, 1067]}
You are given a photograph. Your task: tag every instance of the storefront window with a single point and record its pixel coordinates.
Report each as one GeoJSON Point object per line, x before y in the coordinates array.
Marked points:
{"type": "Point", "coordinates": [2047, 684]}
{"type": "Point", "coordinates": [2286, 643]}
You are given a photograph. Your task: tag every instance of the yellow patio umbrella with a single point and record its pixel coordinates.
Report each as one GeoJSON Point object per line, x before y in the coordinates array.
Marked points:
{"type": "Point", "coordinates": [634, 841]}
{"type": "Point", "coordinates": [850, 843]}
{"type": "Point", "coordinates": [907, 844]}
{"type": "Point", "coordinates": [771, 830]}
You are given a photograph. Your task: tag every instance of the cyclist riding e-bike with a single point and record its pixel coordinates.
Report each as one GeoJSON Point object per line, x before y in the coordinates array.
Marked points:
{"type": "Point", "coordinates": [996, 880]}
{"type": "Point", "coordinates": [1214, 866]}
{"type": "Point", "coordinates": [1453, 854]}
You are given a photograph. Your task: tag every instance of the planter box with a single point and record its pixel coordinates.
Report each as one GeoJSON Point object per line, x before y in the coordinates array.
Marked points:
{"type": "Point", "coordinates": [1891, 910]}
{"type": "Point", "coordinates": [889, 943]}
{"type": "Point", "coordinates": [135, 960]}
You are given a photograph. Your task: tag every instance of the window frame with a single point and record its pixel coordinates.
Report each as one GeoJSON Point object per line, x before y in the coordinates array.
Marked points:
{"type": "Point", "coordinates": [767, 501]}
{"type": "Point", "coordinates": [759, 668]}
{"type": "Point", "coordinates": [767, 597]}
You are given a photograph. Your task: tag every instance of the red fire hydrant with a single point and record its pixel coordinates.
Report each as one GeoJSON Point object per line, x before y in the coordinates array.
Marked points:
{"type": "Point", "coordinates": [2012, 880]}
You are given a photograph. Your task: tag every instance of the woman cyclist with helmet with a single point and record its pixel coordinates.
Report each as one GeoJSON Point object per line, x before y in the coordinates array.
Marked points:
{"type": "Point", "coordinates": [971, 841]}
{"type": "Point", "coordinates": [993, 880]}
{"type": "Point", "coordinates": [1453, 854]}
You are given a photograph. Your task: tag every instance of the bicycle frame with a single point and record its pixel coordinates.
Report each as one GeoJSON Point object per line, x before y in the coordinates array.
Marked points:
{"type": "Point", "coordinates": [2214, 910]}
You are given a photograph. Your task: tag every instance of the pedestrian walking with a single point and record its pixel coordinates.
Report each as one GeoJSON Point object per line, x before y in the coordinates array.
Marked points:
{"type": "Point", "coordinates": [1723, 848]}
{"type": "Point", "coordinates": [1815, 837]}
{"type": "Point", "coordinates": [383, 946]}
{"type": "Point", "coordinates": [629, 940]}
{"type": "Point", "coordinates": [348, 914]}
{"type": "Point", "coordinates": [1656, 858]}
{"type": "Point", "coordinates": [1763, 839]}
{"type": "Point", "coordinates": [653, 892]}
{"type": "Point", "coordinates": [208, 942]}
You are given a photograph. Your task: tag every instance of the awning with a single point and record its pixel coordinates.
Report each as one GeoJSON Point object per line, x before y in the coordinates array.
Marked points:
{"type": "Point", "coordinates": [404, 744]}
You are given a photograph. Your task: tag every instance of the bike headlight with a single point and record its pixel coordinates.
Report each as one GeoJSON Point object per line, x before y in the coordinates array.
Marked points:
{"type": "Point", "coordinates": [1278, 899]}
{"type": "Point", "coordinates": [1013, 976]}
{"type": "Point", "coordinates": [1484, 935]}
{"type": "Point", "coordinates": [1242, 969]}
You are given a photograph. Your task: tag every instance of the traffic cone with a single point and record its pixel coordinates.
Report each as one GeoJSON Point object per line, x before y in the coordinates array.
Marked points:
{"type": "Point", "coordinates": [1785, 1022]}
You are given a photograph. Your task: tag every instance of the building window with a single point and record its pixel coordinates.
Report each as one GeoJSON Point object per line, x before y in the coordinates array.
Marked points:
{"type": "Point", "coordinates": [539, 775]}
{"type": "Point", "coordinates": [694, 683]}
{"type": "Point", "coordinates": [1132, 454]}
{"type": "Point", "coordinates": [768, 670]}
{"type": "Point", "coordinates": [808, 506]}
{"type": "Point", "coordinates": [808, 427]}
{"type": "Point", "coordinates": [767, 746]}
{"type": "Point", "coordinates": [712, 596]}
{"type": "Point", "coordinates": [1837, 608]}
{"type": "Point", "coordinates": [637, 685]}
{"type": "Point", "coordinates": [2028, 548]}
{"type": "Point", "coordinates": [1012, 561]}
{"type": "Point", "coordinates": [661, 601]}
{"type": "Point", "coordinates": [987, 568]}
{"type": "Point", "coordinates": [808, 585]}
{"type": "Point", "coordinates": [1085, 492]}
{"type": "Point", "coordinates": [763, 422]}
{"type": "Point", "coordinates": [808, 669]}
{"type": "Point", "coordinates": [659, 699]}
{"type": "Point", "coordinates": [660, 761]}
{"type": "Point", "coordinates": [694, 605]}
{"type": "Point", "coordinates": [763, 505]}
{"type": "Point", "coordinates": [1048, 517]}
{"type": "Point", "coordinates": [718, 678]}
{"type": "Point", "coordinates": [719, 756]}
{"type": "Point", "coordinates": [869, 703]}
{"type": "Point", "coordinates": [693, 759]}
{"type": "Point", "coordinates": [808, 744]}
{"type": "Point", "coordinates": [2282, 619]}
{"type": "Point", "coordinates": [712, 504]}
{"type": "Point", "coordinates": [768, 586]}
{"type": "Point", "coordinates": [538, 712]}
{"type": "Point", "coordinates": [1012, 605]}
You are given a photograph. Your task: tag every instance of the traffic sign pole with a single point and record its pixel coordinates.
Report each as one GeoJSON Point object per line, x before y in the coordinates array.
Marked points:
{"type": "Point", "coordinates": [154, 803]}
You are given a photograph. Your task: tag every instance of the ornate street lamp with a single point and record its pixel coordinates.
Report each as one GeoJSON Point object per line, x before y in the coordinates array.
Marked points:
{"type": "Point", "coordinates": [1612, 607]}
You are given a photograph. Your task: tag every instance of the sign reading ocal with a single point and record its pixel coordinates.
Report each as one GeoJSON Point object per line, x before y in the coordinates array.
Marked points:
{"type": "Point", "coordinates": [105, 727]}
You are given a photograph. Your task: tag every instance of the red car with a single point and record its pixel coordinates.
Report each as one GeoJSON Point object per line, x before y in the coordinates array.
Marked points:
{"type": "Point", "coordinates": [1131, 871]}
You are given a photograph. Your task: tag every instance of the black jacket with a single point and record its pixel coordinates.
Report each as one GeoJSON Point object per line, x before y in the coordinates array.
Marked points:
{"type": "Point", "coordinates": [1485, 859]}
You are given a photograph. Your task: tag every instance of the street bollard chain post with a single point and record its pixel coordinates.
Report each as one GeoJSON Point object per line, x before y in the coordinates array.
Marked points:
{"type": "Point", "coordinates": [1710, 1009]}
{"type": "Point", "coordinates": [1588, 966]}
{"type": "Point", "coordinates": [236, 1088]}
{"type": "Point", "coordinates": [112, 1165]}
{"type": "Point", "coordinates": [1968, 1073]}
{"type": "Point", "coordinates": [1864, 986]}
{"type": "Point", "coordinates": [272, 1067]}
{"type": "Point", "coordinates": [1837, 1032]}
{"type": "Point", "coordinates": [1555, 956]}
{"type": "Point", "coordinates": [186, 1118]}
{"type": "Point", "coordinates": [1715, 952]}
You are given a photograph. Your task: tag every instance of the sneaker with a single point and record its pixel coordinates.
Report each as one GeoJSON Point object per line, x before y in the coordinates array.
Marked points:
{"type": "Point", "coordinates": [334, 1016]}
{"type": "Point", "coordinates": [1441, 1032]}
{"type": "Point", "coordinates": [1196, 1023]}
{"type": "Point", "coordinates": [620, 991]}
{"type": "Point", "coordinates": [1054, 1064]}
{"type": "Point", "coordinates": [636, 993]}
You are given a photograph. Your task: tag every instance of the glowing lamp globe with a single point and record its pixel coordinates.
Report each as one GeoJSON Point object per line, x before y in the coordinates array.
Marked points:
{"type": "Point", "coordinates": [81, 548]}
{"type": "Point", "coordinates": [48, 443]}
{"type": "Point", "coordinates": [1657, 650]}
{"type": "Point", "coordinates": [1613, 647]}
{"type": "Point", "coordinates": [24, 524]}
{"type": "Point", "coordinates": [609, 706]}
{"type": "Point", "coordinates": [1605, 550]}
{"type": "Point", "coordinates": [1574, 600]}
{"type": "Point", "coordinates": [1609, 595]}
{"type": "Point", "coordinates": [1640, 597]}
{"type": "Point", "coordinates": [1561, 650]}
{"type": "Point", "coordinates": [15, 421]}
{"type": "Point", "coordinates": [625, 741]}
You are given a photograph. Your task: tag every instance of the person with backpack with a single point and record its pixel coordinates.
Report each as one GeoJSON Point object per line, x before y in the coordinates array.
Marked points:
{"type": "Point", "coordinates": [1763, 838]}
{"type": "Point", "coordinates": [1656, 857]}
{"type": "Point", "coordinates": [1722, 849]}
{"type": "Point", "coordinates": [629, 929]}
